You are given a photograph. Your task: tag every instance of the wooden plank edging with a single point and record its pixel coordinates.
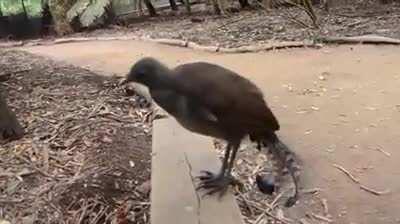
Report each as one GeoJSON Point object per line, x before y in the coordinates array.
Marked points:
{"type": "Point", "coordinates": [178, 156]}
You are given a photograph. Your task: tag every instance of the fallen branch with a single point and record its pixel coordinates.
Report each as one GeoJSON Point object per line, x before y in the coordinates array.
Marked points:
{"type": "Point", "coordinates": [321, 218]}
{"type": "Point", "coordinates": [357, 181]}
{"type": "Point", "coordinates": [354, 179]}
{"type": "Point", "coordinates": [303, 221]}
{"type": "Point", "coordinates": [311, 191]}
{"type": "Point", "coordinates": [381, 150]}
{"type": "Point", "coordinates": [365, 39]}
{"type": "Point", "coordinates": [5, 76]}
{"type": "Point", "coordinates": [375, 192]}
{"type": "Point", "coordinates": [267, 212]}
{"type": "Point", "coordinates": [34, 167]}
{"type": "Point", "coordinates": [10, 201]}
{"type": "Point", "coordinates": [171, 42]}
{"type": "Point", "coordinates": [324, 203]}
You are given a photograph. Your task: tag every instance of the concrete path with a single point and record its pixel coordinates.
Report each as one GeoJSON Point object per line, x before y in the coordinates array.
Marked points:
{"type": "Point", "coordinates": [336, 106]}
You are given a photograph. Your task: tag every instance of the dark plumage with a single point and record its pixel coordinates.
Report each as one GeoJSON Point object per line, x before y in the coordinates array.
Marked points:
{"type": "Point", "coordinates": [208, 99]}
{"type": "Point", "coordinates": [10, 128]}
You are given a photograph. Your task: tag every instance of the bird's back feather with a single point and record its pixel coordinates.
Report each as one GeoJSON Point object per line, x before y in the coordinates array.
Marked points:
{"type": "Point", "coordinates": [233, 99]}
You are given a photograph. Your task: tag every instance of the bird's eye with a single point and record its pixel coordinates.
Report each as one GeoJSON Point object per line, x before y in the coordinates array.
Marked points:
{"type": "Point", "coordinates": [140, 74]}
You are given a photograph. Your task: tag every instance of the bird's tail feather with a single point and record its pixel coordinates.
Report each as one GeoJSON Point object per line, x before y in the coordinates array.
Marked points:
{"type": "Point", "coordinates": [285, 159]}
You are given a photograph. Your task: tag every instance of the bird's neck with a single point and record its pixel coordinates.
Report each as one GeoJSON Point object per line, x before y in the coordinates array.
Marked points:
{"type": "Point", "coordinates": [164, 81]}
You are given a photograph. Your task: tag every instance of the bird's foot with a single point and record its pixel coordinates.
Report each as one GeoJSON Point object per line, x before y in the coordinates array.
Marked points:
{"type": "Point", "coordinates": [291, 201]}
{"type": "Point", "coordinates": [216, 183]}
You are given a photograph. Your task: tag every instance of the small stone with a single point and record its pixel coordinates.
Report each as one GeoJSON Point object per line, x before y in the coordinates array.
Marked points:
{"type": "Point", "coordinates": [308, 132]}
{"type": "Point", "coordinates": [3, 221]}
{"type": "Point", "coordinates": [314, 108]}
{"type": "Point", "coordinates": [106, 139]}
{"type": "Point", "coordinates": [266, 183]}
{"type": "Point", "coordinates": [145, 187]}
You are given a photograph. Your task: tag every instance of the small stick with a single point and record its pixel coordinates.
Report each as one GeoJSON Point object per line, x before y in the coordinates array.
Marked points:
{"type": "Point", "coordinates": [259, 218]}
{"type": "Point", "coordinates": [311, 191]}
{"type": "Point", "coordinates": [245, 201]}
{"type": "Point", "coordinates": [356, 180]}
{"type": "Point", "coordinates": [383, 151]}
{"type": "Point", "coordinates": [276, 199]}
{"type": "Point", "coordinates": [268, 213]}
{"type": "Point", "coordinates": [324, 203]}
{"type": "Point", "coordinates": [375, 192]}
{"type": "Point", "coordinates": [34, 167]}
{"type": "Point", "coordinates": [304, 221]}
{"type": "Point", "coordinates": [322, 218]}
{"type": "Point", "coordinates": [10, 201]}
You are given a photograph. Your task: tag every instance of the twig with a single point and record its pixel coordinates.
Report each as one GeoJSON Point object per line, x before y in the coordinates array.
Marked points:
{"type": "Point", "coordinates": [307, 8]}
{"type": "Point", "coordinates": [311, 191]}
{"type": "Point", "coordinates": [357, 181]}
{"type": "Point", "coordinates": [7, 74]}
{"type": "Point", "coordinates": [268, 213]}
{"type": "Point", "coordinates": [383, 151]}
{"type": "Point", "coordinates": [372, 191]}
{"type": "Point", "coordinates": [99, 215]}
{"type": "Point", "coordinates": [45, 154]}
{"type": "Point", "coordinates": [34, 167]}
{"type": "Point", "coordinates": [259, 218]}
{"type": "Point", "coordinates": [354, 179]}
{"type": "Point", "coordinates": [293, 18]}
{"type": "Point", "coordinates": [83, 211]}
{"type": "Point", "coordinates": [230, 22]}
{"type": "Point", "coordinates": [355, 23]}
{"type": "Point", "coordinates": [304, 221]}
{"type": "Point", "coordinates": [322, 218]}
{"type": "Point", "coordinates": [10, 201]}
{"type": "Point", "coordinates": [324, 203]}
{"type": "Point", "coordinates": [245, 201]}
{"type": "Point", "coordinates": [276, 199]}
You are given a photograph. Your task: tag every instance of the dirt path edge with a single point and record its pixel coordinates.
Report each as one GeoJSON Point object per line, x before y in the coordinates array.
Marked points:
{"type": "Point", "coordinates": [318, 43]}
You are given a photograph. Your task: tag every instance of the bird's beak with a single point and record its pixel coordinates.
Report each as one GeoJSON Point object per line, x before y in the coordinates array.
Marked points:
{"type": "Point", "coordinates": [123, 82]}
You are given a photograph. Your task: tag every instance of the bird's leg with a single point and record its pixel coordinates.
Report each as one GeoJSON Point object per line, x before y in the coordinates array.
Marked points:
{"type": "Point", "coordinates": [208, 174]}
{"type": "Point", "coordinates": [219, 182]}
{"type": "Point", "coordinates": [234, 149]}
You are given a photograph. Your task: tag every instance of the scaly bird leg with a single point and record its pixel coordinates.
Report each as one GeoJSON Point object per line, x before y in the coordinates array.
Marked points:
{"type": "Point", "coordinates": [221, 181]}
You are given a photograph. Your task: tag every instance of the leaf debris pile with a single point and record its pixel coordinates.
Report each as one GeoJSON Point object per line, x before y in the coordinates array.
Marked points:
{"type": "Point", "coordinates": [259, 208]}
{"type": "Point", "coordinates": [260, 26]}
{"type": "Point", "coordinates": [86, 150]}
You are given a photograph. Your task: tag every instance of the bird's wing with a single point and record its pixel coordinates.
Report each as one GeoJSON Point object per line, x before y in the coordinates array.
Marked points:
{"type": "Point", "coordinates": [230, 97]}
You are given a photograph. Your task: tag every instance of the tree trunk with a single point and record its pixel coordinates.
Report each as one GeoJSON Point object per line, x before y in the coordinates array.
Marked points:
{"type": "Point", "coordinates": [172, 3]}
{"type": "Point", "coordinates": [24, 8]}
{"type": "Point", "coordinates": [47, 19]}
{"type": "Point", "coordinates": [187, 6]}
{"type": "Point", "coordinates": [150, 7]}
{"type": "Point", "coordinates": [244, 3]}
{"type": "Point", "coordinates": [10, 128]}
{"type": "Point", "coordinates": [59, 9]}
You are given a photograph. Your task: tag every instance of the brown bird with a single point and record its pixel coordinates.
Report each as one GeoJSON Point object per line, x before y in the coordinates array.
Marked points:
{"type": "Point", "coordinates": [211, 100]}
{"type": "Point", "coordinates": [10, 128]}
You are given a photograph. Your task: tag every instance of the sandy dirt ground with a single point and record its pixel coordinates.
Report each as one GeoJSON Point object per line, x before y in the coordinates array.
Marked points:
{"type": "Point", "coordinates": [336, 105]}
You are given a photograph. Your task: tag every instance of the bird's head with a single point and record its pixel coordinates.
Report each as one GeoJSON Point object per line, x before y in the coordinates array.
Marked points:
{"type": "Point", "coordinates": [147, 71]}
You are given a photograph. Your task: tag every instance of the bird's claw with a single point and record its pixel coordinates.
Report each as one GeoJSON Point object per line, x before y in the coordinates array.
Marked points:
{"type": "Point", "coordinates": [221, 189]}
{"type": "Point", "coordinates": [291, 201]}
{"type": "Point", "coordinates": [206, 175]}
{"type": "Point", "coordinates": [215, 183]}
